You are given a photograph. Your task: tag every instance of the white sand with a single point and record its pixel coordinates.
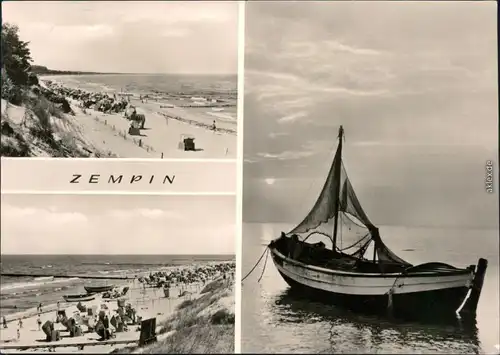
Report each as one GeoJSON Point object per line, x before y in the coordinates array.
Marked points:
{"type": "Point", "coordinates": [149, 303]}
{"type": "Point", "coordinates": [160, 135]}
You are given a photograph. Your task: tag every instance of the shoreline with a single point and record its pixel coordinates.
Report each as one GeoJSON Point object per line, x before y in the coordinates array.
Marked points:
{"type": "Point", "coordinates": [145, 296]}
{"type": "Point", "coordinates": [159, 100]}
{"type": "Point", "coordinates": [12, 316]}
{"type": "Point", "coordinates": [62, 120]}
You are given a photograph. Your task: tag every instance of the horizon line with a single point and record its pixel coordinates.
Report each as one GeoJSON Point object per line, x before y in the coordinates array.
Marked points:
{"type": "Point", "coordinates": [62, 72]}
{"type": "Point", "coordinates": [43, 254]}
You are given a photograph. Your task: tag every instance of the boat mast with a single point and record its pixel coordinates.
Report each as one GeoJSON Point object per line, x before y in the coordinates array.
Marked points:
{"type": "Point", "coordinates": [336, 176]}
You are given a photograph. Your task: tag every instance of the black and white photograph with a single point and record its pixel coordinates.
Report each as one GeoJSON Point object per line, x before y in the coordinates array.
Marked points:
{"type": "Point", "coordinates": [130, 79]}
{"type": "Point", "coordinates": [117, 273]}
{"type": "Point", "coordinates": [370, 194]}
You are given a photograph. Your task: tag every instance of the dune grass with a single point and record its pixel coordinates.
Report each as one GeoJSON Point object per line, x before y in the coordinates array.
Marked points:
{"type": "Point", "coordinates": [196, 327]}
{"type": "Point", "coordinates": [197, 339]}
{"type": "Point", "coordinates": [214, 286]}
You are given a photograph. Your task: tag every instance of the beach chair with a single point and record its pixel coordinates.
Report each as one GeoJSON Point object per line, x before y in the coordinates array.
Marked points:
{"type": "Point", "coordinates": [55, 335]}
{"type": "Point", "coordinates": [113, 321]}
{"type": "Point", "coordinates": [134, 131]}
{"type": "Point", "coordinates": [186, 142]}
{"type": "Point", "coordinates": [148, 332]}
{"type": "Point", "coordinates": [48, 328]}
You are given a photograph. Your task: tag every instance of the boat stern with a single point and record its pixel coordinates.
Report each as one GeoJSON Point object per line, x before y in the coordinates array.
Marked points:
{"type": "Point", "coordinates": [471, 301]}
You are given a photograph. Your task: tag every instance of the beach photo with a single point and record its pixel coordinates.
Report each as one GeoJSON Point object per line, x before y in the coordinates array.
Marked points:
{"type": "Point", "coordinates": [139, 79]}
{"type": "Point", "coordinates": [370, 181]}
{"type": "Point", "coordinates": [117, 273]}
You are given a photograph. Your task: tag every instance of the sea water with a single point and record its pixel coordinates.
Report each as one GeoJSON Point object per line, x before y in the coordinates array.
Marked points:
{"type": "Point", "coordinates": [21, 293]}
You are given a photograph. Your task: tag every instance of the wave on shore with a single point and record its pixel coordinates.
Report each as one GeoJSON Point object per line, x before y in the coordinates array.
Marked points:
{"type": "Point", "coordinates": [222, 116]}
{"type": "Point", "coordinates": [13, 287]}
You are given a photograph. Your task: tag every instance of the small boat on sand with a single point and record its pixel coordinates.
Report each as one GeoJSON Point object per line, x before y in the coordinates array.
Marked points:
{"type": "Point", "coordinates": [79, 298]}
{"type": "Point", "coordinates": [358, 270]}
{"type": "Point", "coordinates": [99, 289]}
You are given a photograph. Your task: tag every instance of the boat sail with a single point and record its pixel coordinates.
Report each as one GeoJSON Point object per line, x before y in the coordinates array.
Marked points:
{"type": "Point", "coordinates": [348, 275]}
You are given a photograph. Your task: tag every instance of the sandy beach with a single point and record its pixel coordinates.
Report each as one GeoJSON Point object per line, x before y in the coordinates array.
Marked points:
{"type": "Point", "coordinates": [147, 300]}
{"type": "Point", "coordinates": [168, 117]}
{"type": "Point", "coordinates": [60, 121]}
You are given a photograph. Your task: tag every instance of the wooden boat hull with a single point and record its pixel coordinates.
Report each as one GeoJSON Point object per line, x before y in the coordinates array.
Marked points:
{"type": "Point", "coordinates": [98, 289]}
{"type": "Point", "coordinates": [413, 294]}
{"type": "Point", "coordinates": [78, 298]}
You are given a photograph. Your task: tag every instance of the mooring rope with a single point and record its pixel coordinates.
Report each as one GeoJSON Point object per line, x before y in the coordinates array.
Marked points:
{"type": "Point", "coordinates": [264, 268]}
{"type": "Point", "coordinates": [258, 261]}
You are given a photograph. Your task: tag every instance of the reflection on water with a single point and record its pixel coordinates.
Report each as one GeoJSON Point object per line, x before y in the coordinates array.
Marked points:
{"type": "Point", "coordinates": [276, 320]}
{"type": "Point", "coordinates": [350, 332]}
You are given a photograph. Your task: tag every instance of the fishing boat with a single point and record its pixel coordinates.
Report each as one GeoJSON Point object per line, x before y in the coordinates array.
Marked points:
{"type": "Point", "coordinates": [79, 298]}
{"type": "Point", "coordinates": [357, 269]}
{"type": "Point", "coordinates": [98, 289]}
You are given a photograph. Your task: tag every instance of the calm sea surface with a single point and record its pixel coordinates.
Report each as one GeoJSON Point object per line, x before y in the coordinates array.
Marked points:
{"type": "Point", "coordinates": [146, 83]}
{"type": "Point", "coordinates": [274, 321]}
{"type": "Point", "coordinates": [27, 292]}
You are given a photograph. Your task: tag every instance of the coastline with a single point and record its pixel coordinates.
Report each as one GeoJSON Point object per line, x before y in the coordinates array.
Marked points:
{"type": "Point", "coordinates": [77, 128]}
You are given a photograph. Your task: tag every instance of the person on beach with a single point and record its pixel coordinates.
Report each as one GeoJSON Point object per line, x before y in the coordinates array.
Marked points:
{"type": "Point", "coordinates": [40, 307]}
{"type": "Point", "coordinates": [214, 127]}
{"type": "Point", "coordinates": [20, 323]}
{"type": "Point", "coordinates": [4, 321]}
{"type": "Point", "coordinates": [18, 334]}
{"type": "Point", "coordinates": [39, 322]}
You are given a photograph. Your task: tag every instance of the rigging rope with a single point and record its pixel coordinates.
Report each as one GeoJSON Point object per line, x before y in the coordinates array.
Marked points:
{"type": "Point", "coordinates": [352, 245]}
{"type": "Point", "coordinates": [346, 214]}
{"type": "Point", "coordinates": [258, 261]}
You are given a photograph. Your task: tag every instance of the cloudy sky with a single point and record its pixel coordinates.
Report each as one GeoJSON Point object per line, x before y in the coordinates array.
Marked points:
{"type": "Point", "coordinates": [413, 83]}
{"type": "Point", "coordinates": [117, 224]}
{"type": "Point", "coordinates": [132, 37]}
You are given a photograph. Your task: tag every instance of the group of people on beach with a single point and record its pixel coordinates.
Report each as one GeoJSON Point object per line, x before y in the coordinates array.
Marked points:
{"type": "Point", "coordinates": [199, 274]}
{"type": "Point", "coordinates": [102, 102]}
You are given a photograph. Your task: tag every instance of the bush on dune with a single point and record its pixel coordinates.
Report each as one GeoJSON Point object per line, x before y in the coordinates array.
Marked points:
{"type": "Point", "coordinates": [222, 316]}
{"type": "Point", "coordinates": [11, 92]}
{"type": "Point", "coordinates": [213, 286]}
{"type": "Point", "coordinates": [184, 304]}
{"type": "Point", "coordinates": [16, 55]}
{"type": "Point", "coordinates": [16, 67]}
{"type": "Point", "coordinates": [34, 134]}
